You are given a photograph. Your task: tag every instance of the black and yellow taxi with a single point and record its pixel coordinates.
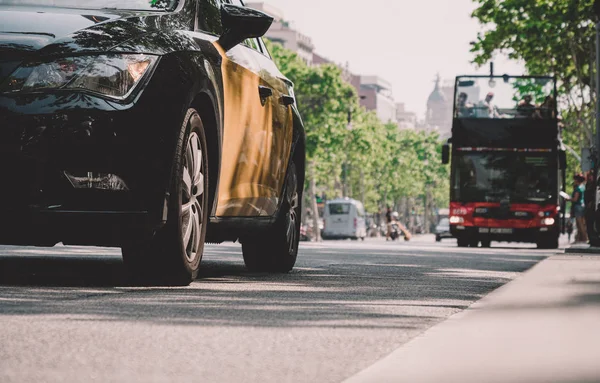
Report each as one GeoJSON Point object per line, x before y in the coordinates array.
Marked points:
{"type": "Point", "coordinates": [155, 126]}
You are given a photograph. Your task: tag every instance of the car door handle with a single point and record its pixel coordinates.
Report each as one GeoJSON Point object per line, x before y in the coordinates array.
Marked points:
{"type": "Point", "coordinates": [287, 100]}
{"type": "Point", "coordinates": [265, 92]}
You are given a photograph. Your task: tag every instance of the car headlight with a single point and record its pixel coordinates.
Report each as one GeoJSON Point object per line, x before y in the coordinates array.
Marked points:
{"type": "Point", "coordinates": [110, 75]}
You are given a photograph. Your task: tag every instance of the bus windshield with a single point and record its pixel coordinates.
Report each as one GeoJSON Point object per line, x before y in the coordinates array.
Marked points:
{"type": "Point", "coordinates": [497, 176]}
{"type": "Point", "coordinates": [154, 5]}
{"type": "Point", "coordinates": [505, 97]}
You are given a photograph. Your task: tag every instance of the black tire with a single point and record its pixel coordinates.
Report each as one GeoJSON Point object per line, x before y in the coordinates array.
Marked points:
{"type": "Point", "coordinates": [438, 238]}
{"type": "Point", "coordinates": [167, 257]}
{"type": "Point", "coordinates": [486, 243]}
{"type": "Point", "coordinates": [462, 242]}
{"type": "Point", "coordinates": [275, 249]}
{"type": "Point", "coordinates": [548, 243]}
{"type": "Point", "coordinates": [473, 243]}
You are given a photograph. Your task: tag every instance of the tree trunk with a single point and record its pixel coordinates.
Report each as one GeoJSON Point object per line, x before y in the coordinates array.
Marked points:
{"type": "Point", "coordinates": [426, 211]}
{"type": "Point", "coordinates": [313, 199]}
{"type": "Point", "coordinates": [403, 210]}
{"type": "Point", "coordinates": [362, 186]}
{"type": "Point", "coordinates": [411, 217]}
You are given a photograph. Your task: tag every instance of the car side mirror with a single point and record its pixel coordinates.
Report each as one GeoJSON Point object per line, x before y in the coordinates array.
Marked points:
{"type": "Point", "coordinates": [241, 23]}
{"type": "Point", "coordinates": [446, 154]}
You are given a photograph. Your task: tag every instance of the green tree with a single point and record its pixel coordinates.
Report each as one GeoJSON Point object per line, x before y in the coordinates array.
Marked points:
{"type": "Point", "coordinates": [323, 99]}
{"type": "Point", "coordinates": [367, 159]}
{"type": "Point", "coordinates": [551, 37]}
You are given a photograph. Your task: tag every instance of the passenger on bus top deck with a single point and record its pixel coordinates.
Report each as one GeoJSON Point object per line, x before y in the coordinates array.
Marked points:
{"type": "Point", "coordinates": [546, 110]}
{"type": "Point", "coordinates": [525, 108]}
{"type": "Point", "coordinates": [485, 108]}
{"type": "Point", "coordinates": [463, 109]}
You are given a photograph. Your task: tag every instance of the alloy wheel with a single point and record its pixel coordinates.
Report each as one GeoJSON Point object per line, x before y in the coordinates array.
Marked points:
{"type": "Point", "coordinates": [292, 221]}
{"type": "Point", "coordinates": [192, 197]}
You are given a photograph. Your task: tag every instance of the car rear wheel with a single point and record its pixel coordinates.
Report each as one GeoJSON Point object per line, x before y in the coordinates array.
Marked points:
{"type": "Point", "coordinates": [172, 255]}
{"type": "Point", "coordinates": [276, 248]}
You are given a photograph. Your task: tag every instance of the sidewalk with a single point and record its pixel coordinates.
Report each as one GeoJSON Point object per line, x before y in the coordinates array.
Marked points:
{"type": "Point", "coordinates": [542, 327]}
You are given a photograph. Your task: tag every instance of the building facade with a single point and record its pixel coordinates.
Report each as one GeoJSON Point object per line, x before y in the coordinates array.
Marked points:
{"type": "Point", "coordinates": [439, 110]}
{"type": "Point", "coordinates": [375, 92]}
{"type": "Point", "coordinates": [376, 95]}
{"type": "Point", "coordinates": [405, 118]}
{"type": "Point", "coordinates": [281, 32]}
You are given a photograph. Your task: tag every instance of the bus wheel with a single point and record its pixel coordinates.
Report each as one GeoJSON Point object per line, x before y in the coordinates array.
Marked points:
{"type": "Point", "coordinates": [548, 243]}
{"type": "Point", "coordinates": [474, 243]}
{"type": "Point", "coordinates": [462, 242]}
{"type": "Point", "coordinates": [486, 243]}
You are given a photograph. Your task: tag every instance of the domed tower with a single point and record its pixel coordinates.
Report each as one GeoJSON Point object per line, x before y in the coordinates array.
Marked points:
{"type": "Point", "coordinates": [439, 109]}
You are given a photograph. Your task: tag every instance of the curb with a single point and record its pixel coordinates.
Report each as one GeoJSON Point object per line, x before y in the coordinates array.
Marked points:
{"type": "Point", "coordinates": [583, 250]}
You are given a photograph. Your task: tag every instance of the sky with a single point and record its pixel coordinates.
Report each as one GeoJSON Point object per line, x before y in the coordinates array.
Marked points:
{"type": "Point", "coordinates": [406, 42]}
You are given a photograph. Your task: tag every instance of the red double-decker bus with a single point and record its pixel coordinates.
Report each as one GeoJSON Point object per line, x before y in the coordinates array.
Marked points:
{"type": "Point", "coordinates": [508, 162]}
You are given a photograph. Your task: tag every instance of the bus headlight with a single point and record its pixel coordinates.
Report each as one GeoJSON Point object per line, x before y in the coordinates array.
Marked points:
{"type": "Point", "coordinates": [456, 220]}
{"type": "Point", "coordinates": [548, 221]}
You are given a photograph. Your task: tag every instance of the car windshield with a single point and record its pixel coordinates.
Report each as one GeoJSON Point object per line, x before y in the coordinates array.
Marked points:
{"type": "Point", "coordinates": [505, 97]}
{"type": "Point", "coordinates": [156, 5]}
{"type": "Point", "coordinates": [497, 176]}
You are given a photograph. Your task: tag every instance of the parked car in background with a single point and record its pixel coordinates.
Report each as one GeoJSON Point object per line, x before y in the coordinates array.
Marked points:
{"type": "Point", "coordinates": [344, 218]}
{"type": "Point", "coordinates": [442, 230]}
{"type": "Point", "coordinates": [153, 126]}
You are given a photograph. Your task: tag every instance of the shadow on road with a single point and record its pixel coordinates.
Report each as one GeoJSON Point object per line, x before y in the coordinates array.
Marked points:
{"type": "Point", "coordinates": [329, 288]}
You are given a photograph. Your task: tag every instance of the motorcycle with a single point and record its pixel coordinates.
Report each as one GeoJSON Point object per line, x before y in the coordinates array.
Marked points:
{"type": "Point", "coordinates": [395, 231]}
{"type": "Point", "coordinates": [399, 230]}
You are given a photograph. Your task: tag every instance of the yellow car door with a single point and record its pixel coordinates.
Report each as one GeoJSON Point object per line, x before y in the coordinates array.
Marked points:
{"type": "Point", "coordinates": [246, 134]}
{"type": "Point", "coordinates": [281, 130]}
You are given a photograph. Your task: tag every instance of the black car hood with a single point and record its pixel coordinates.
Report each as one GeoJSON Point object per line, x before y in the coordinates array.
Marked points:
{"type": "Point", "coordinates": [40, 32]}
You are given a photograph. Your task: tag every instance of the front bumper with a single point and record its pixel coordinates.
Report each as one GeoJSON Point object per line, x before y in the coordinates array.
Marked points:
{"type": "Point", "coordinates": [530, 235]}
{"type": "Point", "coordinates": [98, 228]}
{"type": "Point", "coordinates": [43, 136]}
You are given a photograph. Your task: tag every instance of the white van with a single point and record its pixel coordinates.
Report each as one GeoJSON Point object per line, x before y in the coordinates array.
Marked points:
{"type": "Point", "coordinates": [344, 218]}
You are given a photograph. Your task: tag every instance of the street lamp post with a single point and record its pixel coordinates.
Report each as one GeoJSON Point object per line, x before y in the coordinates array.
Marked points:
{"type": "Point", "coordinates": [597, 89]}
{"type": "Point", "coordinates": [597, 12]}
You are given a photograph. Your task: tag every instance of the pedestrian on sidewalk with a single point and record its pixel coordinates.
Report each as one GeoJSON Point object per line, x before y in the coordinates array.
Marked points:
{"type": "Point", "coordinates": [589, 197]}
{"type": "Point", "coordinates": [578, 208]}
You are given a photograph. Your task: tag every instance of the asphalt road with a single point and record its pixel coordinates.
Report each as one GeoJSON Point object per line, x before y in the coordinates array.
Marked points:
{"type": "Point", "coordinates": [66, 314]}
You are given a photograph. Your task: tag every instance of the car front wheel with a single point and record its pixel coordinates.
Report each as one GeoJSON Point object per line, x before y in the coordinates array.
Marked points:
{"type": "Point", "coordinates": [276, 248]}
{"type": "Point", "coordinates": [172, 255]}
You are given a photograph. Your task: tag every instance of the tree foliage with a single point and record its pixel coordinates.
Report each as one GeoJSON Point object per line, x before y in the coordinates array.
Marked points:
{"type": "Point", "coordinates": [553, 37]}
{"type": "Point", "coordinates": [378, 163]}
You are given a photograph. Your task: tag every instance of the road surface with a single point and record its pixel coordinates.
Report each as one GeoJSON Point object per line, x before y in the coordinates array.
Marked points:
{"type": "Point", "coordinates": [67, 315]}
